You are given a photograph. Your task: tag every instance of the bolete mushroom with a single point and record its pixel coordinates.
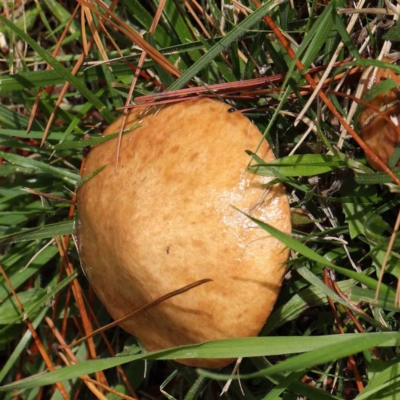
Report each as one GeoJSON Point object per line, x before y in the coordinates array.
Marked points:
{"type": "Point", "coordinates": [380, 131]}
{"type": "Point", "coordinates": [169, 217]}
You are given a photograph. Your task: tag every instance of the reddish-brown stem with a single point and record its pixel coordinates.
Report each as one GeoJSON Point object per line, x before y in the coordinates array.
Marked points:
{"type": "Point", "coordinates": [143, 308]}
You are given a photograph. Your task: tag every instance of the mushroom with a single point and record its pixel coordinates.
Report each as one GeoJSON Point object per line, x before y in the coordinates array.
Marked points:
{"type": "Point", "coordinates": [376, 130]}
{"type": "Point", "coordinates": [169, 216]}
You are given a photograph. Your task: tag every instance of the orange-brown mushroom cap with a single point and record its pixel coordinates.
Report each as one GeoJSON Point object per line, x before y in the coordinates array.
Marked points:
{"type": "Point", "coordinates": [165, 219]}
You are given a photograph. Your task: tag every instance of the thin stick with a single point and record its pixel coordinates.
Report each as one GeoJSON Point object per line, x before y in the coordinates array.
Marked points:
{"type": "Point", "coordinates": [73, 360]}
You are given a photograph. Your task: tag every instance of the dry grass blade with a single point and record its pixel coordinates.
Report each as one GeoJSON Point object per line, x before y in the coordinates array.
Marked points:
{"type": "Point", "coordinates": [95, 32]}
{"type": "Point", "coordinates": [71, 359]}
{"type": "Point", "coordinates": [121, 26]}
{"type": "Point", "coordinates": [66, 86]}
{"type": "Point", "coordinates": [134, 81]}
{"type": "Point", "coordinates": [78, 295]}
{"type": "Point", "coordinates": [48, 196]}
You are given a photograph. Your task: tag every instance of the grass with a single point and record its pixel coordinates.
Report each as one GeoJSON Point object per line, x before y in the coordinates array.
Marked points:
{"type": "Point", "coordinates": [328, 337]}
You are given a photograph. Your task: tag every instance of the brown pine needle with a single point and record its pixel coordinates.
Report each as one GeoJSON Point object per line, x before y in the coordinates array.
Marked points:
{"type": "Point", "coordinates": [48, 196]}
{"type": "Point", "coordinates": [143, 308]}
{"type": "Point", "coordinates": [124, 28]}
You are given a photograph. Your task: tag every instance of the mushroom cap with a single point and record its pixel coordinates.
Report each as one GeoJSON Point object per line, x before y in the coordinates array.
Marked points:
{"type": "Point", "coordinates": [169, 217]}
{"type": "Point", "coordinates": [381, 136]}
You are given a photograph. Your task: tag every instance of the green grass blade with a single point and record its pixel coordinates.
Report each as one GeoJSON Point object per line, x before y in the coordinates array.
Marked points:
{"type": "Point", "coordinates": [299, 165]}
{"type": "Point", "coordinates": [232, 348]}
{"type": "Point", "coordinates": [25, 162]}
{"type": "Point", "coordinates": [356, 344]}
{"type": "Point", "coordinates": [41, 232]}
{"type": "Point", "coordinates": [22, 345]}
{"type": "Point", "coordinates": [312, 255]}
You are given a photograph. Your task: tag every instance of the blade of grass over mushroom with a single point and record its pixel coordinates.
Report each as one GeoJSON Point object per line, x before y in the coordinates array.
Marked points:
{"type": "Point", "coordinates": [299, 165]}
{"type": "Point", "coordinates": [25, 162]}
{"type": "Point", "coordinates": [90, 176]}
{"type": "Point", "coordinates": [379, 88]}
{"type": "Point", "coordinates": [232, 348]}
{"type": "Point", "coordinates": [233, 35]}
{"type": "Point", "coordinates": [78, 84]}
{"type": "Point", "coordinates": [311, 254]}
{"type": "Point", "coordinates": [41, 232]}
